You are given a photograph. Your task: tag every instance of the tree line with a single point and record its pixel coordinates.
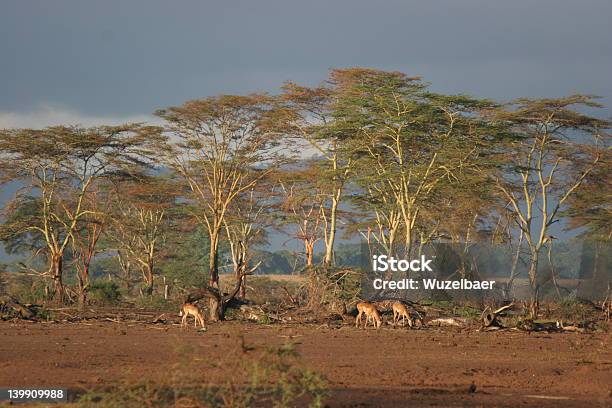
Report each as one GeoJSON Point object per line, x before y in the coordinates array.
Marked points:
{"type": "Point", "coordinates": [367, 153]}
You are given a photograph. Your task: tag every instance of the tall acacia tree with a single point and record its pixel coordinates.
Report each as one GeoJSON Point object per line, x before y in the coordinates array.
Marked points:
{"type": "Point", "coordinates": [59, 166]}
{"type": "Point", "coordinates": [139, 222]}
{"type": "Point", "coordinates": [410, 141]}
{"type": "Point", "coordinates": [221, 147]}
{"type": "Point", "coordinates": [86, 238]}
{"type": "Point", "coordinates": [308, 114]}
{"type": "Point", "coordinates": [299, 206]}
{"type": "Point", "coordinates": [244, 229]}
{"type": "Point", "coordinates": [554, 152]}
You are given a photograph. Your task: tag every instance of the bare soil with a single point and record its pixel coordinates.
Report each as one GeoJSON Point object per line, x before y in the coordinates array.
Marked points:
{"type": "Point", "coordinates": [364, 368]}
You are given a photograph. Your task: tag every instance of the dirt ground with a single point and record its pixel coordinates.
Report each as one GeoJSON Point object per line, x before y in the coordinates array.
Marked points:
{"type": "Point", "coordinates": [385, 368]}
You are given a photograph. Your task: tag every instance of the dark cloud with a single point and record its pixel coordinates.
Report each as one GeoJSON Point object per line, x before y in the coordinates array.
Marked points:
{"type": "Point", "coordinates": [117, 57]}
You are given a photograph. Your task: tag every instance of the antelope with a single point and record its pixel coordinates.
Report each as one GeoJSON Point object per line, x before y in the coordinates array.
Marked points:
{"type": "Point", "coordinates": [400, 310]}
{"type": "Point", "coordinates": [371, 315]}
{"type": "Point", "coordinates": [191, 309]}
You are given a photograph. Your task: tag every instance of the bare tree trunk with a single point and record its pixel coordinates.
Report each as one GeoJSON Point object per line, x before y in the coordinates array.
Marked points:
{"type": "Point", "coordinates": [214, 260]}
{"type": "Point", "coordinates": [535, 286]}
{"type": "Point", "coordinates": [83, 286]}
{"type": "Point", "coordinates": [242, 292]}
{"type": "Point", "coordinates": [329, 242]}
{"type": "Point", "coordinates": [309, 249]}
{"type": "Point", "coordinates": [56, 273]}
{"type": "Point", "coordinates": [515, 261]}
{"type": "Point", "coordinates": [126, 268]}
{"type": "Point", "coordinates": [149, 278]}
{"type": "Point", "coordinates": [215, 309]}
{"type": "Point", "coordinates": [239, 273]}
{"type": "Point", "coordinates": [217, 302]}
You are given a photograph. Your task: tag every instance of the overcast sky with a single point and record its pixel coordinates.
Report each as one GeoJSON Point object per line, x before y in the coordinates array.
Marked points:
{"type": "Point", "coordinates": [111, 60]}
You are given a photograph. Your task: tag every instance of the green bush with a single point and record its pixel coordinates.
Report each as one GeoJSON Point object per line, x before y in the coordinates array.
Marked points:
{"type": "Point", "coordinates": [157, 302]}
{"type": "Point", "coordinates": [104, 292]}
{"type": "Point", "coordinates": [27, 289]}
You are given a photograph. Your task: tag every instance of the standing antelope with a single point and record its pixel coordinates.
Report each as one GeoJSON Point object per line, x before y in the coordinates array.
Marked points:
{"type": "Point", "coordinates": [400, 310]}
{"type": "Point", "coordinates": [191, 309]}
{"type": "Point", "coordinates": [371, 314]}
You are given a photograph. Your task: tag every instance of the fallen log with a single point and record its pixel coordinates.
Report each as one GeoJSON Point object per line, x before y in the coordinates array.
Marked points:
{"type": "Point", "coordinates": [7, 302]}
{"type": "Point", "coordinates": [490, 319]}
{"type": "Point", "coordinates": [255, 313]}
{"type": "Point", "coordinates": [448, 321]}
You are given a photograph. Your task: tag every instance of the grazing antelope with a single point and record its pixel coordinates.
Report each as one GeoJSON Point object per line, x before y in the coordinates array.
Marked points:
{"type": "Point", "coordinates": [371, 314]}
{"type": "Point", "coordinates": [400, 310]}
{"type": "Point", "coordinates": [191, 309]}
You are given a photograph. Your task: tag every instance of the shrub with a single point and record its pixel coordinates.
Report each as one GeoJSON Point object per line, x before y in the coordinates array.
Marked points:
{"type": "Point", "coordinates": [104, 292]}
{"type": "Point", "coordinates": [331, 288]}
{"type": "Point", "coordinates": [156, 302]}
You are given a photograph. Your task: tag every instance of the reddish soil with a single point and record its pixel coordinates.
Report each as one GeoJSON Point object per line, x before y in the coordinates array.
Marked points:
{"type": "Point", "coordinates": [396, 368]}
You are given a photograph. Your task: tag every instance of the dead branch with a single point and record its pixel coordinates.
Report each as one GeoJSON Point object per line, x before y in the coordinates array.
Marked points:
{"type": "Point", "coordinates": [490, 319]}
{"type": "Point", "coordinates": [7, 302]}
{"type": "Point", "coordinates": [448, 321]}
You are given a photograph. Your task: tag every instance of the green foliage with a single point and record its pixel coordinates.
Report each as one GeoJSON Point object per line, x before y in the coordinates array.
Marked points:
{"type": "Point", "coordinates": [186, 257]}
{"type": "Point", "coordinates": [26, 289]}
{"type": "Point", "coordinates": [104, 292]}
{"type": "Point", "coordinates": [275, 263]}
{"type": "Point", "coordinates": [156, 302]}
{"type": "Point", "coordinates": [23, 212]}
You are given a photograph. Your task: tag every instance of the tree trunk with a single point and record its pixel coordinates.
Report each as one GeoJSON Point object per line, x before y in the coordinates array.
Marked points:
{"type": "Point", "coordinates": [83, 287]}
{"type": "Point", "coordinates": [309, 250]}
{"type": "Point", "coordinates": [149, 274]}
{"type": "Point", "coordinates": [216, 301]}
{"type": "Point", "coordinates": [239, 273]}
{"type": "Point", "coordinates": [242, 292]}
{"type": "Point", "coordinates": [82, 298]}
{"type": "Point", "coordinates": [329, 244]}
{"type": "Point", "coordinates": [214, 260]}
{"type": "Point", "coordinates": [535, 287]}
{"type": "Point", "coordinates": [56, 273]}
{"type": "Point", "coordinates": [515, 260]}
{"type": "Point", "coordinates": [215, 309]}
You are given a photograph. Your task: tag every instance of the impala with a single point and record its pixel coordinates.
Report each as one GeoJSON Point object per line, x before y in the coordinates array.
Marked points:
{"type": "Point", "coordinates": [191, 309]}
{"type": "Point", "coordinates": [371, 314]}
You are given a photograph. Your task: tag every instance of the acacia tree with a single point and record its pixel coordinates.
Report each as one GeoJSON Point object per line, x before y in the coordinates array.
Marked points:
{"type": "Point", "coordinates": [59, 165]}
{"type": "Point", "coordinates": [300, 206]}
{"type": "Point", "coordinates": [86, 238]}
{"type": "Point", "coordinates": [409, 141]}
{"type": "Point", "coordinates": [222, 148]}
{"type": "Point", "coordinates": [308, 113]}
{"type": "Point", "coordinates": [546, 164]}
{"type": "Point", "coordinates": [139, 222]}
{"type": "Point", "coordinates": [377, 199]}
{"type": "Point", "coordinates": [245, 228]}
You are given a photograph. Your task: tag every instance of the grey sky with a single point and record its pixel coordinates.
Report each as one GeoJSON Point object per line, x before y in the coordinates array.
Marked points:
{"type": "Point", "coordinates": [108, 60]}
